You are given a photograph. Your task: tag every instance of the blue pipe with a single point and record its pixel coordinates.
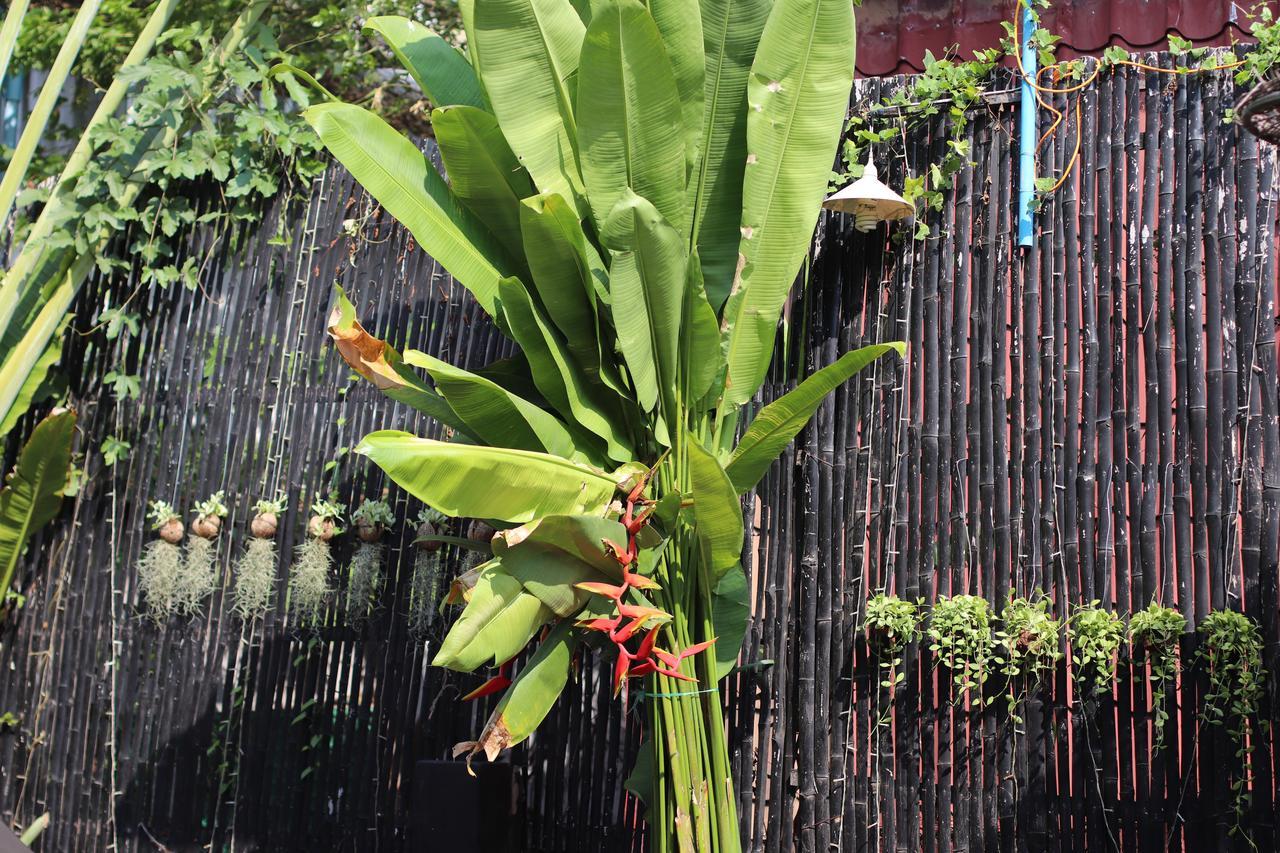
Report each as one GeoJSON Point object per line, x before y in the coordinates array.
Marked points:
{"type": "Point", "coordinates": [1027, 132]}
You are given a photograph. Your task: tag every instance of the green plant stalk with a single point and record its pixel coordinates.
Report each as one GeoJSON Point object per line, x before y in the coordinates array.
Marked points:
{"type": "Point", "coordinates": [694, 802]}
{"type": "Point", "coordinates": [24, 355]}
{"type": "Point", "coordinates": [38, 119]}
{"type": "Point", "coordinates": [9, 33]}
{"type": "Point", "coordinates": [54, 211]}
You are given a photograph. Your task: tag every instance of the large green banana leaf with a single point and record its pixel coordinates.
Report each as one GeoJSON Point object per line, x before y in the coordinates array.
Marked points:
{"type": "Point", "coordinates": [730, 30]}
{"type": "Point", "coordinates": [531, 695]}
{"type": "Point", "coordinates": [403, 181]}
{"type": "Point", "coordinates": [555, 374]}
{"type": "Point", "coordinates": [680, 23]}
{"type": "Point", "coordinates": [630, 132]}
{"type": "Point", "coordinates": [701, 348]}
{"type": "Point", "coordinates": [648, 268]}
{"type": "Point", "coordinates": [564, 273]}
{"type": "Point", "coordinates": [778, 422]}
{"type": "Point", "coordinates": [716, 510]}
{"type": "Point", "coordinates": [483, 173]}
{"type": "Point", "coordinates": [495, 415]}
{"type": "Point", "coordinates": [730, 613]}
{"type": "Point", "coordinates": [439, 68]}
{"type": "Point", "coordinates": [488, 482]}
{"type": "Point", "coordinates": [528, 66]}
{"type": "Point", "coordinates": [499, 620]}
{"type": "Point", "coordinates": [578, 537]}
{"type": "Point", "coordinates": [798, 93]}
{"type": "Point", "coordinates": [33, 492]}
{"type": "Point", "coordinates": [381, 364]}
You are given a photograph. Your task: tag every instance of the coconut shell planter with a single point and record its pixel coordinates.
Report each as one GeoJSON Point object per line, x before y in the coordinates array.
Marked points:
{"type": "Point", "coordinates": [365, 576]}
{"type": "Point", "coordinates": [309, 584]}
{"type": "Point", "coordinates": [255, 572]}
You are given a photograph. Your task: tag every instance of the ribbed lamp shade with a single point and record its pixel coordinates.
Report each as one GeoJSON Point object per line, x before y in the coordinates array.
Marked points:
{"type": "Point", "coordinates": [869, 201]}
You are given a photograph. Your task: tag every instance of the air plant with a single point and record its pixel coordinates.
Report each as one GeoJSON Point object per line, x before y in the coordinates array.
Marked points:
{"type": "Point", "coordinates": [371, 519]}
{"type": "Point", "coordinates": [631, 199]}
{"type": "Point", "coordinates": [309, 586]}
{"type": "Point", "coordinates": [161, 561]}
{"type": "Point", "coordinates": [199, 576]}
{"type": "Point", "coordinates": [424, 586]}
{"type": "Point", "coordinates": [255, 574]}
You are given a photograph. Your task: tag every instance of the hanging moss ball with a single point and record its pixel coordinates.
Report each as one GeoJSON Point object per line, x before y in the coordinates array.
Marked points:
{"type": "Point", "coordinates": [369, 531]}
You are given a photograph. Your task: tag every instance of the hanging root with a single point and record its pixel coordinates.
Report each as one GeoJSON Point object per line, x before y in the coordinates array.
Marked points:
{"type": "Point", "coordinates": [255, 579]}
{"type": "Point", "coordinates": [424, 593]}
{"type": "Point", "coordinates": [364, 581]}
{"type": "Point", "coordinates": [309, 581]}
{"type": "Point", "coordinates": [158, 571]}
{"type": "Point", "coordinates": [198, 578]}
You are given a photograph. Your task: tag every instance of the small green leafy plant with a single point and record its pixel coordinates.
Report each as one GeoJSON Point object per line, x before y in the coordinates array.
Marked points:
{"type": "Point", "coordinates": [1029, 645]}
{"type": "Point", "coordinates": [424, 592]}
{"type": "Point", "coordinates": [1095, 636]}
{"type": "Point", "coordinates": [1154, 632]}
{"type": "Point", "coordinates": [892, 623]}
{"type": "Point", "coordinates": [274, 506]}
{"type": "Point", "coordinates": [1231, 653]}
{"type": "Point", "coordinates": [214, 505]}
{"type": "Point", "coordinates": [960, 634]}
{"type": "Point", "coordinates": [160, 513]}
{"type": "Point", "coordinates": [373, 513]}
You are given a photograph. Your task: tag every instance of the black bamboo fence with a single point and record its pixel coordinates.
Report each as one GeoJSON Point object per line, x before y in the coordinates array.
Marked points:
{"type": "Point", "coordinates": [1094, 417]}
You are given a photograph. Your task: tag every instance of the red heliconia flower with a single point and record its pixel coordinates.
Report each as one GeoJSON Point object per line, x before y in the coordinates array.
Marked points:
{"type": "Point", "coordinates": [618, 552]}
{"type": "Point", "coordinates": [493, 685]}
{"type": "Point", "coordinates": [607, 590]}
{"type": "Point", "coordinates": [603, 624]}
{"type": "Point", "coordinates": [620, 672]}
{"type": "Point", "coordinates": [640, 611]}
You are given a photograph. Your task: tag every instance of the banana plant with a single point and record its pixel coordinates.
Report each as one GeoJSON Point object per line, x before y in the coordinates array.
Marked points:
{"type": "Point", "coordinates": [629, 191]}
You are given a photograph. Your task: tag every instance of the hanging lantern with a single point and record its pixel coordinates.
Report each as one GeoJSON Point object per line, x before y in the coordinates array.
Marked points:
{"type": "Point", "coordinates": [869, 201]}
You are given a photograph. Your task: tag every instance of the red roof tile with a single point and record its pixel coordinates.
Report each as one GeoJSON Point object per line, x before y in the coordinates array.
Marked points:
{"type": "Point", "coordinates": [893, 35]}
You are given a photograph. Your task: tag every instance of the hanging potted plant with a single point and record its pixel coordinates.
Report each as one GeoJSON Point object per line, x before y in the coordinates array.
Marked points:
{"type": "Point", "coordinates": [1029, 647]}
{"type": "Point", "coordinates": [1154, 633]}
{"type": "Point", "coordinates": [960, 635]}
{"type": "Point", "coordinates": [892, 624]}
{"type": "Point", "coordinates": [424, 587]}
{"type": "Point", "coordinates": [255, 574]}
{"type": "Point", "coordinates": [1095, 636]}
{"type": "Point", "coordinates": [309, 580]}
{"type": "Point", "coordinates": [372, 519]}
{"type": "Point", "coordinates": [161, 561]}
{"type": "Point", "coordinates": [199, 576]}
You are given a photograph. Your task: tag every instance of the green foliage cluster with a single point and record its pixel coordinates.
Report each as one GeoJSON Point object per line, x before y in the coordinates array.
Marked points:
{"type": "Point", "coordinates": [326, 510]}
{"type": "Point", "coordinates": [274, 506]}
{"type": "Point", "coordinates": [960, 634]}
{"type": "Point", "coordinates": [893, 623]}
{"type": "Point", "coordinates": [1231, 651]}
{"type": "Point", "coordinates": [373, 513]}
{"type": "Point", "coordinates": [1095, 635]}
{"type": "Point", "coordinates": [1156, 631]}
{"type": "Point", "coordinates": [1029, 643]}
{"type": "Point", "coordinates": [161, 513]}
{"type": "Point", "coordinates": [214, 505]}
{"type": "Point", "coordinates": [317, 34]}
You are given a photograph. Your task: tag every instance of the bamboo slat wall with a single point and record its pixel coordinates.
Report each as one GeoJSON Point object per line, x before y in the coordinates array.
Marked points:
{"type": "Point", "coordinates": [1094, 418]}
